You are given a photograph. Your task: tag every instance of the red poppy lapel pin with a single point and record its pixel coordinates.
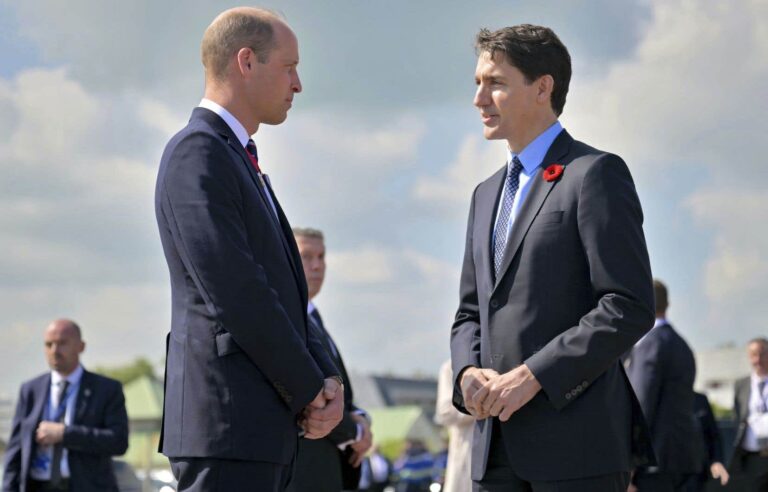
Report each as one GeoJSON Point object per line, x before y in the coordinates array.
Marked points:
{"type": "Point", "coordinates": [552, 172]}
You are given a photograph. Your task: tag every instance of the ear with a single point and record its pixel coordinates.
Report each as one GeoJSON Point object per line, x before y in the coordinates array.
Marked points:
{"type": "Point", "coordinates": [244, 61]}
{"type": "Point", "coordinates": [544, 85]}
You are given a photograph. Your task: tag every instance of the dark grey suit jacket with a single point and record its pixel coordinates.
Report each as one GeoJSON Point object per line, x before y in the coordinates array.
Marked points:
{"type": "Point", "coordinates": [99, 430]}
{"type": "Point", "coordinates": [662, 370]}
{"type": "Point", "coordinates": [241, 364]}
{"type": "Point", "coordinates": [574, 293]}
{"type": "Point", "coordinates": [742, 391]}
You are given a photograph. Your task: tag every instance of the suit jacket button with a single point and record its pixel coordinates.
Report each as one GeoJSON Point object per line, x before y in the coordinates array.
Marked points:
{"type": "Point", "coordinates": [579, 388]}
{"type": "Point", "coordinates": [494, 303]}
{"type": "Point", "coordinates": [585, 384]}
{"type": "Point", "coordinates": [568, 396]}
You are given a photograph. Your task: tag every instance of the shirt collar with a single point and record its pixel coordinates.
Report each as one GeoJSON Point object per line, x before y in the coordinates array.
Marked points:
{"type": "Point", "coordinates": [310, 307]}
{"type": "Point", "coordinates": [756, 379]}
{"type": "Point", "coordinates": [240, 132]}
{"type": "Point", "coordinates": [533, 154]}
{"type": "Point", "coordinates": [660, 322]}
{"type": "Point", "coordinates": [74, 378]}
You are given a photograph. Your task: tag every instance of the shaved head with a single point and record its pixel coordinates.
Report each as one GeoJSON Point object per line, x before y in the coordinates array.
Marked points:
{"type": "Point", "coordinates": [234, 29]}
{"type": "Point", "coordinates": [66, 325]}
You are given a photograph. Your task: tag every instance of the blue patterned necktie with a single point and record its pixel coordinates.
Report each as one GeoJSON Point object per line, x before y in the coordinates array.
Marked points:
{"type": "Point", "coordinates": [502, 225]}
{"type": "Point", "coordinates": [760, 389]}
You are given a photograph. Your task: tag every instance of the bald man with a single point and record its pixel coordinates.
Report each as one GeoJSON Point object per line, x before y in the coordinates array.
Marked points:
{"type": "Point", "coordinates": [68, 423]}
{"type": "Point", "coordinates": [244, 376]}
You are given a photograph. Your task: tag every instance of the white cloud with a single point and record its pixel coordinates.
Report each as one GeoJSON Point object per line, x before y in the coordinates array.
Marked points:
{"type": "Point", "coordinates": [451, 191]}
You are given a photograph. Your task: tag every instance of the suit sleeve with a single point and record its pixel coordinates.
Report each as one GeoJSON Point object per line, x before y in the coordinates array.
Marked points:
{"type": "Point", "coordinates": [111, 437]}
{"type": "Point", "coordinates": [465, 333]}
{"type": "Point", "coordinates": [12, 459]}
{"type": "Point", "coordinates": [202, 203]}
{"type": "Point", "coordinates": [711, 433]}
{"type": "Point", "coordinates": [610, 223]}
{"type": "Point", "coordinates": [645, 375]}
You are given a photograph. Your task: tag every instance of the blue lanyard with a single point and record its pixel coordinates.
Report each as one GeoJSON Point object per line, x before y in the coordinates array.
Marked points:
{"type": "Point", "coordinates": [58, 415]}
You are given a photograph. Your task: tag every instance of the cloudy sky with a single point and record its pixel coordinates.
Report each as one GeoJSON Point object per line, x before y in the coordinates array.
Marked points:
{"type": "Point", "coordinates": [381, 151]}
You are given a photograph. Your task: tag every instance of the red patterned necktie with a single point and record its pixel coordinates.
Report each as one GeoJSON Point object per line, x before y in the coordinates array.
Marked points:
{"type": "Point", "coordinates": [250, 149]}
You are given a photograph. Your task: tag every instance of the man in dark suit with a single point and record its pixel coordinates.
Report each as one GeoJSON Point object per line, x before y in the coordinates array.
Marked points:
{"type": "Point", "coordinates": [555, 286]}
{"type": "Point", "coordinates": [662, 369]}
{"type": "Point", "coordinates": [749, 463]}
{"type": "Point", "coordinates": [68, 423]}
{"type": "Point", "coordinates": [332, 463]}
{"type": "Point", "coordinates": [243, 372]}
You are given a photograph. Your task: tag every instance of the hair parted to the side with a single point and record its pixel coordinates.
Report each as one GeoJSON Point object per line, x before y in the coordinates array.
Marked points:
{"type": "Point", "coordinates": [233, 30]}
{"type": "Point", "coordinates": [535, 51]}
{"type": "Point", "coordinates": [308, 232]}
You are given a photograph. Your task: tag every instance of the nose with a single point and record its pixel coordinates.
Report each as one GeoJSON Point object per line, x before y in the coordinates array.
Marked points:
{"type": "Point", "coordinates": [481, 97]}
{"type": "Point", "coordinates": [296, 86]}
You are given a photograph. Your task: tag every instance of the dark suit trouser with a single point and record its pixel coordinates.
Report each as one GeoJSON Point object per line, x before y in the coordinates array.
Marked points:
{"type": "Point", "coordinates": [499, 476]}
{"type": "Point", "coordinates": [215, 475]}
{"type": "Point", "coordinates": [663, 482]}
{"type": "Point", "coordinates": [752, 473]}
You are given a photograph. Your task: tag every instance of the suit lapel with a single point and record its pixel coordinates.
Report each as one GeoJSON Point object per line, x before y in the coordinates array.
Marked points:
{"type": "Point", "coordinates": [486, 206]}
{"type": "Point", "coordinates": [83, 396]}
{"type": "Point", "coordinates": [537, 195]}
{"type": "Point", "coordinates": [41, 391]}
{"type": "Point", "coordinates": [277, 223]}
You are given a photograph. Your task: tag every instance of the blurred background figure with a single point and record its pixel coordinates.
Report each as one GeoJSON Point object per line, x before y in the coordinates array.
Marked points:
{"type": "Point", "coordinates": [333, 463]}
{"type": "Point", "coordinates": [749, 464]}
{"type": "Point", "coordinates": [68, 423]}
{"type": "Point", "coordinates": [414, 468]}
{"type": "Point", "coordinates": [662, 369]}
{"type": "Point", "coordinates": [375, 472]}
{"type": "Point", "coordinates": [460, 428]}
{"type": "Point", "coordinates": [712, 465]}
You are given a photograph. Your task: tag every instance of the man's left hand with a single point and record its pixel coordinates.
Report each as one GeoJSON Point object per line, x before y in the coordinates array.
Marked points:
{"type": "Point", "coordinates": [364, 444]}
{"type": "Point", "coordinates": [49, 433]}
{"type": "Point", "coordinates": [505, 394]}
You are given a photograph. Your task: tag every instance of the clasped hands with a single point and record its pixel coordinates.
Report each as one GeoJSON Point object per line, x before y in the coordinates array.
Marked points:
{"type": "Point", "coordinates": [490, 394]}
{"type": "Point", "coordinates": [49, 433]}
{"type": "Point", "coordinates": [324, 412]}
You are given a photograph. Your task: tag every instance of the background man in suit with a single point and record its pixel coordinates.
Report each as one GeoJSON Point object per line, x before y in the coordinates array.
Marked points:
{"type": "Point", "coordinates": [555, 286]}
{"type": "Point", "coordinates": [712, 462]}
{"type": "Point", "coordinates": [749, 463]}
{"type": "Point", "coordinates": [332, 463]}
{"type": "Point", "coordinates": [242, 370]}
{"type": "Point", "coordinates": [68, 423]}
{"type": "Point", "coordinates": [662, 369]}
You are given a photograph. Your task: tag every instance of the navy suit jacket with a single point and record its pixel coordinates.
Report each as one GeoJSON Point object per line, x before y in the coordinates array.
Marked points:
{"type": "Point", "coordinates": [240, 363]}
{"type": "Point", "coordinates": [98, 431]}
{"type": "Point", "coordinates": [574, 293]}
{"type": "Point", "coordinates": [662, 370]}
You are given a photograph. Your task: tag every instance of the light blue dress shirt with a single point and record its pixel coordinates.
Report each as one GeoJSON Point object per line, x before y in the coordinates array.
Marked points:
{"type": "Point", "coordinates": [531, 157]}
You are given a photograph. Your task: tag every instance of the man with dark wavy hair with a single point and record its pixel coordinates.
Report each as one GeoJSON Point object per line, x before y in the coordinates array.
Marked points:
{"type": "Point", "coordinates": [555, 286]}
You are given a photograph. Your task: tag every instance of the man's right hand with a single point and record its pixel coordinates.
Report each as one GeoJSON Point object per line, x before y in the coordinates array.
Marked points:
{"type": "Point", "coordinates": [472, 380]}
{"type": "Point", "coordinates": [324, 413]}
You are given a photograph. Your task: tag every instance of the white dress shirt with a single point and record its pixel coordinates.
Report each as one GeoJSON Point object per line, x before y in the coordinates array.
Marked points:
{"type": "Point", "coordinates": [756, 435]}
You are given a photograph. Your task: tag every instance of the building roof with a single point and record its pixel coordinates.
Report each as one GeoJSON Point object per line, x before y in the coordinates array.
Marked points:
{"type": "Point", "coordinates": [144, 399]}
